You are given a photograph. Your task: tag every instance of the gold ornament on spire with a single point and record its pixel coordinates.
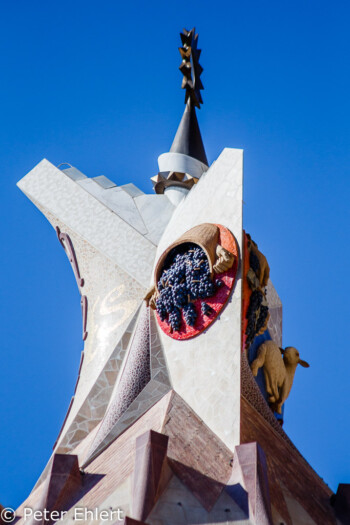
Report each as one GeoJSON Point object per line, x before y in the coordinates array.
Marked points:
{"type": "Point", "coordinates": [190, 67]}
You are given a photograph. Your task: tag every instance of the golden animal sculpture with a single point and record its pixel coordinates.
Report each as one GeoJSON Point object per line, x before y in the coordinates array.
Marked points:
{"type": "Point", "coordinates": [278, 371]}
{"type": "Point", "coordinates": [207, 236]}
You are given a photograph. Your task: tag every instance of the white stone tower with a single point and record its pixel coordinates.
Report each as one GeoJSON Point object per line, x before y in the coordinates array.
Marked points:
{"type": "Point", "coordinates": [167, 424]}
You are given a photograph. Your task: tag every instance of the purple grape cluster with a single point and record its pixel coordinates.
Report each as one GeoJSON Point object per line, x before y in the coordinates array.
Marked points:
{"type": "Point", "coordinates": [256, 316]}
{"type": "Point", "coordinates": [190, 314]}
{"type": "Point", "coordinates": [207, 310]}
{"type": "Point", "coordinates": [254, 262]}
{"type": "Point", "coordinates": [185, 278]}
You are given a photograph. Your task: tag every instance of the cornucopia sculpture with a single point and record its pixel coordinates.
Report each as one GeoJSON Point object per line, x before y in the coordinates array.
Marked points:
{"type": "Point", "coordinates": [206, 236]}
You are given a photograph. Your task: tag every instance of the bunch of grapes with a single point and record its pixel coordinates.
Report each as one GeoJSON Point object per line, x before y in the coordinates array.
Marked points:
{"type": "Point", "coordinates": [254, 262]}
{"type": "Point", "coordinates": [219, 283]}
{"type": "Point", "coordinates": [206, 309]}
{"type": "Point", "coordinates": [264, 310]}
{"type": "Point", "coordinates": [175, 319]}
{"type": "Point", "coordinates": [186, 277]}
{"type": "Point", "coordinates": [257, 313]}
{"type": "Point", "coordinates": [190, 314]}
{"type": "Point", "coordinates": [161, 309]}
{"type": "Point", "coordinates": [252, 314]}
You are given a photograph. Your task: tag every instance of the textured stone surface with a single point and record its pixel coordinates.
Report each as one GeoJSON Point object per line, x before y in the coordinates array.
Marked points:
{"type": "Point", "coordinates": [117, 200]}
{"type": "Point", "coordinates": [295, 474]}
{"type": "Point", "coordinates": [110, 241]}
{"type": "Point", "coordinates": [155, 383]}
{"type": "Point", "coordinates": [149, 396]}
{"type": "Point", "coordinates": [64, 480]}
{"type": "Point", "coordinates": [94, 407]}
{"type": "Point", "coordinates": [178, 505]}
{"type": "Point", "coordinates": [159, 370]}
{"type": "Point", "coordinates": [150, 472]}
{"type": "Point", "coordinates": [113, 298]}
{"type": "Point", "coordinates": [156, 211]}
{"type": "Point", "coordinates": [250, 472]}
{"type": "Point", "coordinates": [134, 377]}
{"type": "Point", "coordinates": [108, 479]}
{"type": "Point", "coordinates": [198, 457]}
{"type": "Point", "coordinates": [90, 218]}
{"type": "Point", "coordinates": [210, 380]}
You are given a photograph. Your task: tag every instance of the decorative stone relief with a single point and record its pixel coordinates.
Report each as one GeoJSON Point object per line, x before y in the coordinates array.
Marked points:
{"type": "Point", "coordinates": [143, 381]}
{"type": "Point", "coordinates": [68, 247]}
{"type": "Point", "coordinates": [67, 244]}
{"type": "Point", "coordinates": [256, 311]}
{"type": "Point", "coordinates": [194, 277]}
{"type": "Point", "coordinates": [278, 371]}
{"type": "Point", "coordinates": [94, 407]}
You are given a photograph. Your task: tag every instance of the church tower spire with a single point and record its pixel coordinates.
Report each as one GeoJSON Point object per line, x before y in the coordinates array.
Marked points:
{"type": "Point", "coordinates": [188, 139]}
{"type": "Point", "coordinates": [181, 168]}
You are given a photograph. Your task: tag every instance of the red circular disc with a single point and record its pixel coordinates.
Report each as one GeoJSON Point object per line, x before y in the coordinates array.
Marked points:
{"type": "Point", "coordinates": [216, 301]}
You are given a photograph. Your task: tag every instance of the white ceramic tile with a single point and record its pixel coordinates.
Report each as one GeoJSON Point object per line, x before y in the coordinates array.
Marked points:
{"type": "Point", "coordinates": [92, 220]}
{"type": "Point", "coordinates": [156, 211]}
{"type": "Point", "coordinates": [205, 370]}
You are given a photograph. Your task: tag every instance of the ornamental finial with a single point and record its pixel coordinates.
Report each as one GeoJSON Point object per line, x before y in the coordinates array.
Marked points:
{"type": "Point", "coordinates": [190, 67]}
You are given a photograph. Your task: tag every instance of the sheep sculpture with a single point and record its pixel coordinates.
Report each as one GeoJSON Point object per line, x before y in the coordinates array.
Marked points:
{"type": "Point", "coordinates": [278, 371]}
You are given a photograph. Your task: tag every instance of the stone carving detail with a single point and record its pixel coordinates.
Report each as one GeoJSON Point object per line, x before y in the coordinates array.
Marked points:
{"type": "Point", "coordinates": [251, 392]}
{"type": "Point", "coordinates": [257, 276]}
{"type": "Point", "coordinates": [185, 294]}
{"type": "Point", "coordinates": [258, 263]}
{"type": "Point", "coordinates": [145, 341]}
{"type": "Point", "coordinates": [67, 244]}
{"type": "Point", "coordinates": [278, 371]}
{"type": "Point", "coordinates": [134, 377]}
{"type": "Point", "coordinates": [224, 259]}
{"type": "Point", "coordinates": [84, 306]}
{"type": "Point", "coordinates": [68, 247]}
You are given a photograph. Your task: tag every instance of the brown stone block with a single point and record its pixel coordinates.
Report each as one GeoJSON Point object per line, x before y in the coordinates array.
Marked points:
{"type": "Point", "coordinates": [250, 467]}
{"type": "Point", "coordinates": [286, 469]}
{"type": "Point", "coordinates": [341, 502]}
{"type": "Point", "coordinates": [150, 472]}
{"type": "Point", "coordinates": [63, 482]}
{"type": "Point", "coordinates": [193, 444]}
{"type": "Point", "coordinates": [130, 521]}
{"type": "Point", "coordinates": [204, 488]}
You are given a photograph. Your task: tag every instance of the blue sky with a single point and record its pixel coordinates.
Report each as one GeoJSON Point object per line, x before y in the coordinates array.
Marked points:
{"type": "Point", "coordinates": [97, 85]}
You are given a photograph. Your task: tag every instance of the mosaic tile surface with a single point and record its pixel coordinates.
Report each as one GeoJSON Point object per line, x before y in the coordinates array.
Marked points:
{"type": "Point", "coordinates": [134, 377]}
{"type": "Point", "coordinates": [91, 219]}
{"type": "Point", "coordinates": [143, 382]}
{"type": "Point", "coordinates": [205, 370]}
{"type": "Point", "coordinates": [94, 407]}
{"type": "Point", "coordinates": [113, 298]}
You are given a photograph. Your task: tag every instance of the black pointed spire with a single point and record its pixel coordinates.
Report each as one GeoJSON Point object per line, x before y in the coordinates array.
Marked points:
{"type": "Point", "coordinates": [186, 161]}
{"type": "Point", "coordinates": [188, 138]}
